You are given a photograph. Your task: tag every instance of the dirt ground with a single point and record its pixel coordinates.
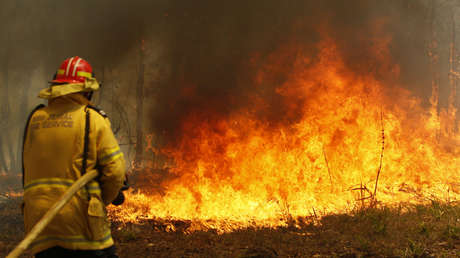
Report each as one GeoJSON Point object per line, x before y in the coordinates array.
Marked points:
{"type": "Point", "coordinates": [424, 231]}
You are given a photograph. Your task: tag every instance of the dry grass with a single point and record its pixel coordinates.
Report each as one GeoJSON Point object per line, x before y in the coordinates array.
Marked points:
{"type": "Point", "coordinates": [405, 231]}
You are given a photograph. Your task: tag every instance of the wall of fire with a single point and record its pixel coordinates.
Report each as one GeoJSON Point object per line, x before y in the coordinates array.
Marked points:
{"type": "Point", "coordinates": [176, 46]}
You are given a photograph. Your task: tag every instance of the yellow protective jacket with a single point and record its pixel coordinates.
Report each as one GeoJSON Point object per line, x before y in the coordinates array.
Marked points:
{"type": "Point", "coordinates": [52, 158]}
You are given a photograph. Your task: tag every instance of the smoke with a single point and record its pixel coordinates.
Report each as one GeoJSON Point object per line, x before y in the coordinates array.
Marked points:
{"type": "Point", "coordinates": [201, 56]}
{"type": "Point", "coordinates": [215, 49]}
{"type": "Point", "coordinates": [49, 31]}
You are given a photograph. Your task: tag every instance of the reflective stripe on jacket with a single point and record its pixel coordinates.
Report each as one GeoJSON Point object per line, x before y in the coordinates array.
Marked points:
{"type": "Point", "coordinates": [53, 153]}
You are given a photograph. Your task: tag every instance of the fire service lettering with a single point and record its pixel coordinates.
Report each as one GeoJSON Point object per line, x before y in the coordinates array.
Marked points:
{"type": "Point", "coordinates": [54, 120]}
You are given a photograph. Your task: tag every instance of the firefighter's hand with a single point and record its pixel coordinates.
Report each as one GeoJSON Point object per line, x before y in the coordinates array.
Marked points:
{"type": "Point", "coordinates": [119, 199]}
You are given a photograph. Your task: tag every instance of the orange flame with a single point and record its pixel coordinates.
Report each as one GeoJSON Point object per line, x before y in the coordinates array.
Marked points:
{"type": "Point", "coordinates": [239, 170]}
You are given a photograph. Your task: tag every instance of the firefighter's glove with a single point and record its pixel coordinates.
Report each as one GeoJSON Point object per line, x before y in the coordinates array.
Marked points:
{"type": "Point", "coordinates": [121, 197]}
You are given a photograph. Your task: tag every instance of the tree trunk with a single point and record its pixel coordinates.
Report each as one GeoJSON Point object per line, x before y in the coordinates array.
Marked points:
{"type": "Point", "coordinates": [24, 104]}
{"type": "Point", "coordinates": [453, 74]}
{"type": "Point", "coordinates": [5, 151]}
{"type": "Point", "coordinates": [435, 78]}
{"type": "Point", "coordinates": [140, 109]}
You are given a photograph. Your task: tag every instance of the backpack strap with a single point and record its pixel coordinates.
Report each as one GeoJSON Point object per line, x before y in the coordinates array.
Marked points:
{"type": "Point", "coordinates": [84, 162]}
{"type": "Point", "coordinates": [25, 136]}
{"type": "Point", "coordinates": [98, 110]}
{"type": "Point", "coordinates": [85, 143]}
{"type": "Point", "coordinates": [86, 139]}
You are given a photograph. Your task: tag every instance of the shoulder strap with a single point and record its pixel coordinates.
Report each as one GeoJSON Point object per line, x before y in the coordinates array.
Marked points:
{"type": "Point", "coordinates": [86, 147]}
{"type": "Point", "coordinates": [85, 143]}
{"type": "Point", "coordinates": [25, 135]}
{"type": "Point", "coordinates": [98, 110]}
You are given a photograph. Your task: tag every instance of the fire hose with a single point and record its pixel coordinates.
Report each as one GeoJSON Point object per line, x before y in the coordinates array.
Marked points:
{"type": "Point", "coordinates": [51, 213]}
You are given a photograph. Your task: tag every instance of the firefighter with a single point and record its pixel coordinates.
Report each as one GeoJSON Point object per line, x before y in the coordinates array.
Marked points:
{"type": "Point", "coordinates": [62, 141]}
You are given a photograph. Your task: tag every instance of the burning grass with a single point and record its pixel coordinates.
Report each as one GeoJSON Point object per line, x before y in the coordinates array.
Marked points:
{"type": "Point", "coordinates": [404, 230]}
{"type": "Point", "coordinates": [408, 230]}
{"type": "Point", "coordinates": [305, 182]}
{"type": "Point", "coordinates": [340, 133]}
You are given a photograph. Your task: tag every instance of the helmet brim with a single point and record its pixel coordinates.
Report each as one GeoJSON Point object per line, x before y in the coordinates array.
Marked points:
{"type": "Point", "coordinates": [65, 81]}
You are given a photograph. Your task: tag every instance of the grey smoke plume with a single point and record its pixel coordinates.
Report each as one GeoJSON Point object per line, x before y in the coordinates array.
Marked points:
{"type": "Point", "coordinates": [212, 41]}
{"type": "Point", "coordinates": [198, 52]}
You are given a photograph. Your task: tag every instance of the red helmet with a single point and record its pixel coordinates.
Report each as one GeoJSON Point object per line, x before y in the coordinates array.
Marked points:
{"type": "Point", "coordinates": [73, 70]}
